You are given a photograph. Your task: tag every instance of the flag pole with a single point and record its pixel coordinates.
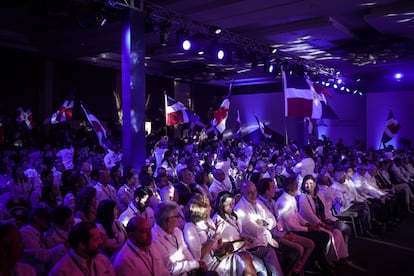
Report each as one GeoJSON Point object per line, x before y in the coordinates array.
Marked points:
{"type": "Point", "coordinates": [165, 111]}
{"type": "Point", "coordinates": [286, 132]}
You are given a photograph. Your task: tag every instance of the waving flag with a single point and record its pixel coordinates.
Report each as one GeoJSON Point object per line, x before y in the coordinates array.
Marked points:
{"type": "Point", "coordinates": [266, 131]}
{"type": "Point", "coordinates": [176, 113]}
{"type": "Point", "coordinates": [97, 127]}
{"type": "Point", "coordinates": [392, 127]}
{"type": "Point", "coordinates": [220, 115]}
{"type": "Point", "coordinates": [25, 117]}
{"type": "Point", "coordinates": [321, 91]}
{"type": "Point", "coordinates": [300, 99]}
{"type": "Point", "coordinates": [64, 113]}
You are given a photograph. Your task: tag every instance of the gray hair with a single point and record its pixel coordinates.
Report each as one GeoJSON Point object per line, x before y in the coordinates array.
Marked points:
{"type": "Point", "coordinates": [163, 211]}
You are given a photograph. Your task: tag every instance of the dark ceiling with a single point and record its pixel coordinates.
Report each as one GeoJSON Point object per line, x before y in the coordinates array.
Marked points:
{"type": "Point", "coordinates": [356, 40]}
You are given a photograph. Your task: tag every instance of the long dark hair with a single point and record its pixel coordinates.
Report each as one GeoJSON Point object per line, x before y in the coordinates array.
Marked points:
{"type": "Point", "coordinates": [105, 216]}
{"type": "Point", "coordinates": [219, 208]}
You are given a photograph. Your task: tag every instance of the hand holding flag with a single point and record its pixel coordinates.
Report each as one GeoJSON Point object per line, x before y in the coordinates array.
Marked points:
{"type": "Point", "coordinates": [64, 113]}
{"type": "Point", "coordinates": [220, 115]}
{"type": "Point", "coordinates": [97, 127]}
{"type": "Point", "coordinates": [25, 117]}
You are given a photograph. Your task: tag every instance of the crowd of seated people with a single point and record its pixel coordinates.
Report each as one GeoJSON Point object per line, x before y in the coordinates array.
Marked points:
{"type": "Point", "coordinates": [225, 208]}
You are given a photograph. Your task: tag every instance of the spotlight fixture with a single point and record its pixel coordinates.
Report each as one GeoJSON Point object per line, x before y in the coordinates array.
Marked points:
{"type": "Point", "coordinates": [186, 45]}
{"type": "Point", "coordinates": [215, 30]}
{"type": "Point", "coordinates": [220, 54]}
{"type": "Point", "coordinates": [398, 76]}
{"type": "Point", "coordinates": [270, 68]}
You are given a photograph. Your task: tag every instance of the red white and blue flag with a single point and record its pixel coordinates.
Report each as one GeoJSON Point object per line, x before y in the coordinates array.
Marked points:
{"type": "Point", "coordinates": [176, 113]}
{"type": "Point", "coordinates": [25, 117]}
{"type": "Point", "coordinates": [64, 113]}
{"type": "Point", "coordinates": [300, 99]}
{"type": "Point", "coordinates": [97, 127]}
{"type": "Point", "coordinates": [392, 127]}
{"type": "Point", "coordinates": [220, 115]}
{"type": "Point", "coordinates": [266, 131]}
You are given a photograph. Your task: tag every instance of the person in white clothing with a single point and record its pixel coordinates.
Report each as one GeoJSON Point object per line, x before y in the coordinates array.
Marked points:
{"type": "Point", "coordinates": [126, 191]}
{"type": "Point", "coordinates": [83, 257]}
{"type": "Point", "coordinates": [113, 157]}
{"type": "Point", "coordinates": [306, 166]}
{"type": "Point", "coordinates": [67, 154]}
{"type": "Point", "coordinates": [169, 240]}
{"type": "Point", "coordinates": [291, 220]}
{"type": "Point", "coordinates": [254, 224]}
{"type": "Point", "coordinates": [62, 222]}
{"type": "Point", "coordinates": [219, 184]}
{"type": "Point", "coordinates": [104, 190]}
{"type": "Point", "coordinates": [139, 206]}
{"type": "Point", "coordinates": [113, 232]}
{"type": "Point", "coordinates": [35, 251]}
{"type": "Point", "coordinates": [203, 239]}
{"type": "Point", "coordinates": [139, 254]}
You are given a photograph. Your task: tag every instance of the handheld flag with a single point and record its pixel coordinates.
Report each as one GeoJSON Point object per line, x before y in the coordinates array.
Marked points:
{"type": "Point", "coordinates": [266, 131]}
{"type": "Point", "coordinates": [176, 113]}
{"type": "Point", "coordinates": [392, 127]}
{"type": "Point", "coordinates": [25, 117]}
{"type": "Point", "coordinates": [97, 127]}
{"type": "Point", "coordinates": [300, 99]}
{"type": "Point", "coordinates": [64, 113]}
{"type": "Point", "coordinates": [220, 115]}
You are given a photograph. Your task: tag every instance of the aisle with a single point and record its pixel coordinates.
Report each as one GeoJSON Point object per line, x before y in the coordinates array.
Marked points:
{"type": "Point", "coordinates": [391, 254]}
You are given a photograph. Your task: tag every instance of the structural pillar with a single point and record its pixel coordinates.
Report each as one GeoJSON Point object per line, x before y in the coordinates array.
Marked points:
{"type": "Point", "coordinates": [133, 90]}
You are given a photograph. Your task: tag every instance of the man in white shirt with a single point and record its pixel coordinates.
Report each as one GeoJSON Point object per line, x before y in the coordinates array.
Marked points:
{"type": "Point", "coordinates": [138, 253]}
{"type": "Point", "coordinates": [84, 257]}
{"type": "Point", "coordinates": [169, 240]}
{"type": "Point", "coordinates": [67, 154]}
{"type": "Point", "coordinates": [35, 251]}
{"type": "Point", "coordinates": [219, 184]}
{"type": "Point", "coordinates": [114, 157]}
{"type": "Point", "coordinates": [139, 206]}
{"type": "Point", "coordinates": [256, 225]}
{"type": "Point", "coordinates": [104, 190]}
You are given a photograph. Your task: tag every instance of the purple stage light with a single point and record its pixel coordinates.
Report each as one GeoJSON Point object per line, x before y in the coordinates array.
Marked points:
{"type": "Point", "coordinates": [220, 54]}
{"type": "Point", "coordinates": [186, 45]}
{"type": "Point", "coordinates": [398, 76]}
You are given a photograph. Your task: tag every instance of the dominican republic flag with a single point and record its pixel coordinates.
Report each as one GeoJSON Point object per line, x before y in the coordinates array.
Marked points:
{"type": "Point", "coordinates": [321, 92]}
{"type": "Point", "coordinates": [392, 127]}
{"type": "Point", "coordinates": [220, 115]}
{"type": "Point", "coordinates": [266, 131]}
{"type": "Point", "coordinates": [237, 127]}
{"type": "Point", "coordinates": [64, 113]}
{"type": "Point", "coordinates": [25, 117]}
{"type": "Point", "coordinates": [300, 99]}
{"type": "Point", "coordinates": [97, 127]}
{"type": "Point", "coordinates": [176, 113]}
